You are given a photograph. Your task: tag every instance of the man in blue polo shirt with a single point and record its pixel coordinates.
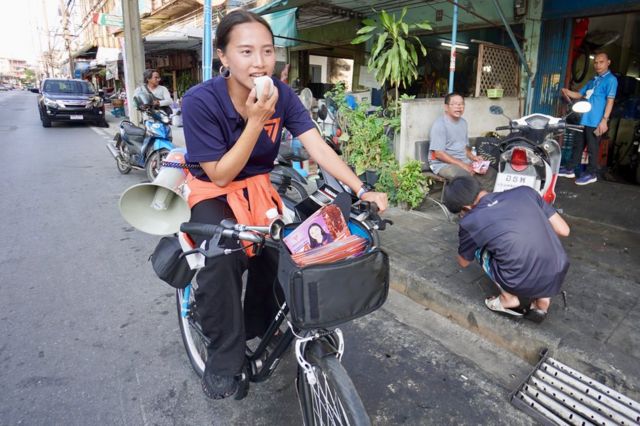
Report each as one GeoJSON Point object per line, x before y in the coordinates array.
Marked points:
{"type": "Point", "coordinates": [600, 91]}
{"type": "Point", "coordinates": [514, 236]}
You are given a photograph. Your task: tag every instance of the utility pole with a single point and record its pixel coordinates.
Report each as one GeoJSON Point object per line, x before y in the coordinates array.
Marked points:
{"type": "Point", "coordinates": [67, 36]}
{"type": "Point", "coordinates": [48, 60]}
{"type": "Point", "coordinates": [133, 56]}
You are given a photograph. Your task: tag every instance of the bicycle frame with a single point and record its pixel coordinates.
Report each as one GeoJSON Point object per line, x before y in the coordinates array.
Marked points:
{"type": "Point", "coordinates": [262, 362]}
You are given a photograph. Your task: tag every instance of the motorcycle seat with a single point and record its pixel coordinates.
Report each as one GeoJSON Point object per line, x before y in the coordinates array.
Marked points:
{"type": "Point", "coordinates": [132, 130]}
{"type": "Point", "coordinates": [291, 156]}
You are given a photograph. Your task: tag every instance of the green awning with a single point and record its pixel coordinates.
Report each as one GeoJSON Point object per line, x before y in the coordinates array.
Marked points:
{"type": "Point", "coordinates": [271, 5]}
{"type": "Point", "coordinates": [283, 24]}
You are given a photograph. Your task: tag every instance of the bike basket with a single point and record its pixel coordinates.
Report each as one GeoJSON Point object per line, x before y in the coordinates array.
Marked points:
{"type": "Point", "coordinates": [168, 265]}
{"type": "Point", "coordinates": [326, 295]}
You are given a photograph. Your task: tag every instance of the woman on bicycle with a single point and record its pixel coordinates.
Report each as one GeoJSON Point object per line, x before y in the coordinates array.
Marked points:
{"type": "Point", "coordinates": [234, 135]}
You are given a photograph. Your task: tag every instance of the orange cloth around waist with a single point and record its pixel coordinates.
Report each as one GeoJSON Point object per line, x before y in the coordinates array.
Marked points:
{"type": "Point", "coordinates": [262, 197]}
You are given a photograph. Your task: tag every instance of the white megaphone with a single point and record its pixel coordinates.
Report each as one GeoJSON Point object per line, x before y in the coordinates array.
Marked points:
{"type": "Point", "coordinates": [159, 207]}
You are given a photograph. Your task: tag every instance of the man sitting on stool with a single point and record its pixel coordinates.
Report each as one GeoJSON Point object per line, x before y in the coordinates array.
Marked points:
{"type": "Point", "coordinates": [449, 152]}
{"type": "Point", "coordinates": [514, 236]}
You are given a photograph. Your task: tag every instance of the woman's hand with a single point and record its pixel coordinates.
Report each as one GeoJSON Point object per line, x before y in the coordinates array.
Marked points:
{"type": "Point", "coordinates": [261, 110]}
{"type": "Point", "coordinates": [380, 198]}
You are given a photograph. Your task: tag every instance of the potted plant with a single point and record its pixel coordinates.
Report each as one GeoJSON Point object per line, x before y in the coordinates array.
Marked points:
{"type": "Point", "coordinates": [366, 149]}
{"type": "Point", "coordinates": [394, 55]}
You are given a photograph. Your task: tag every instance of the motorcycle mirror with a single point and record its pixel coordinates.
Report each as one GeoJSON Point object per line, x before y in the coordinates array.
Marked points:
{"type": "Point", "coordinates": [323, 112]}
{"type": "Point", "coordinates": [581, 107]}
{"type": "Point", "coordinates": [496, 110]}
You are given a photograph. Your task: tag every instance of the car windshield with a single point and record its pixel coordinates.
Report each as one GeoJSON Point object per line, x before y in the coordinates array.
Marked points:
{"type": "Point", "coordinates": [69, 86]}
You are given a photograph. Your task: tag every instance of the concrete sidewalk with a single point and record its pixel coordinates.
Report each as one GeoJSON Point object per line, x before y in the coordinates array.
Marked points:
{"type": "Point", "coordinates": [597, 332]}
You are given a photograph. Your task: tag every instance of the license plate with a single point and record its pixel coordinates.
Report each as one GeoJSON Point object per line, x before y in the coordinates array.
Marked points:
{"type": "Point", "coordinates": [506, 181]}
{"type": "Point", "coordinates": [76, 117]}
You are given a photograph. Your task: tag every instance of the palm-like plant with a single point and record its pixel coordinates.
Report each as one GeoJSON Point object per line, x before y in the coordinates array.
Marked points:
{"type": "Point", "coordinates": [394, 57]}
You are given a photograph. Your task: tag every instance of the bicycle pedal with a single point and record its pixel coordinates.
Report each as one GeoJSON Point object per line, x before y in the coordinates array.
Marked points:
{"type": "Point", "coordinates": [243, 385]}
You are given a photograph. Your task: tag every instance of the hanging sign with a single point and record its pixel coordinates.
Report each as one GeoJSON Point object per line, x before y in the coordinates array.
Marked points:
{"type": "Point", "coordinates": [107, 20]}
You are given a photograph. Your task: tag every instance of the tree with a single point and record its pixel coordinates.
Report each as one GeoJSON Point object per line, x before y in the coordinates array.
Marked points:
{"type": "Point", "coordinates": [394, 56]}
{"type": "Point", "coordinates": [29, 76]}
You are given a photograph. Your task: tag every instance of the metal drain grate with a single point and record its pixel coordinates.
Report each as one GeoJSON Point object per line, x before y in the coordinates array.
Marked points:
{"type": "Point", "coordinates": [557, 394]}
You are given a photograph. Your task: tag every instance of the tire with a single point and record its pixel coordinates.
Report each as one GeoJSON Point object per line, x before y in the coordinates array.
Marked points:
{"type": "Point", "coordinates": [154, 162]}
{"type": "Point", "coordinates": [194, 341]}
{"type": "Point", "coordinates": [295, 191]}
{"type": "Point", "coordinates": [489, 149]}
{"type": "Point", "coordinates": [103, 123]}
{"type": "Point", "coordinates": [580, 66]}
{"type": "Point", "coordinates": [121, 165]}
{"type": "Point", "coordinates": [333, 400]}
{"type": "Point", "coordinates": [45, 121]}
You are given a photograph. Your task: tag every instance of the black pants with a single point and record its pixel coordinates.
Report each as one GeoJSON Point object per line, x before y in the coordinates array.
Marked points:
{"type": "Point", "coordinates": [219, 295]}
{"type": "Point", "coordinates": [593, 146]}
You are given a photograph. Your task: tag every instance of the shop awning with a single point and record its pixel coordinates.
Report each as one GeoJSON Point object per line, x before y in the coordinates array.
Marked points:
{"type": "Point", "coordinates": [283, 25]}
{"type": "Point", "coordinates": [107, 54]}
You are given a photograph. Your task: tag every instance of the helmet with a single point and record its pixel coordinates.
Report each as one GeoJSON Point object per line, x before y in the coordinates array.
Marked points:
{"type": "Point", "coordinates": [143, 100]}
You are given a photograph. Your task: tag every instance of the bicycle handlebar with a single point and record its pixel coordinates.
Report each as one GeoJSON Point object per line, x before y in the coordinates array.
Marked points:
{"type": "Point", "coordinates": [238, 232]}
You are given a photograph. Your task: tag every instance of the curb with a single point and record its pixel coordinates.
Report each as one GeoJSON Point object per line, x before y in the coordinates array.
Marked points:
{"type": "Point", "coordinates": [521, 337]}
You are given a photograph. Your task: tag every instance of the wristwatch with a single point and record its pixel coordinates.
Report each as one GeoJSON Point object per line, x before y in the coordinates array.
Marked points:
{"type": "Point", "coordinates": [363, 190]}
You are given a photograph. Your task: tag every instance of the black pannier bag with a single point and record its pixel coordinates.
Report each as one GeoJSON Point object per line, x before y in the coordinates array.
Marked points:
{"type": "Point", "coordinates": [168, 265]}
{"type": "Point", "coordinates": [326, 295]}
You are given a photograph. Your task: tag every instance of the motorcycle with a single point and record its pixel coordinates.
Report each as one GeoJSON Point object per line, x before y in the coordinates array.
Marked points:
{"type": "Point", "coordinates": [529, 155]}
{"type": "Point", "coordinates": [134, 147]}
{"type": "Point", "coordinates": [288, 179]}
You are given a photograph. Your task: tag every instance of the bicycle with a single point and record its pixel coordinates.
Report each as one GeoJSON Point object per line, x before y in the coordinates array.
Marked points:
{"type": "Point", "coordinates": [325, 391]}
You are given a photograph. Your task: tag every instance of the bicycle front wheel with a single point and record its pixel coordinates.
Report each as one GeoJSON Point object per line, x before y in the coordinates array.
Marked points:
{"type": "Point", "coordinates": [333, 399]}
{"type": "Point", "coordinates": [194, 340]}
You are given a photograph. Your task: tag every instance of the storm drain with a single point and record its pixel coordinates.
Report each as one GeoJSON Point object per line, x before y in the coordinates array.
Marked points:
{"type": "Point", "coordinates": [556, 394]}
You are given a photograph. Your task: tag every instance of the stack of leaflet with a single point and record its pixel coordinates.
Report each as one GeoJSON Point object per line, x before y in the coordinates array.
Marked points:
{"type": "Point", "coordinates": [324, 238]}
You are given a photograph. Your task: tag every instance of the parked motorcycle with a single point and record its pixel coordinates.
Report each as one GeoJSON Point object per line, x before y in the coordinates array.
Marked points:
{"type": "Point", "coordinates": [530, 155]}
{"type": "Point", "coordinates": [285, 177]}
{"type": "Point", "coordinates": [139, 148]}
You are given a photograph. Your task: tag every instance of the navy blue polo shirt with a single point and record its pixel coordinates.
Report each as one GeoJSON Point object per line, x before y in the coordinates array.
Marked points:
{"type": "Point", "coordinates": [528, 259]}
{"type": "Point", "coordinates": [212, 126]}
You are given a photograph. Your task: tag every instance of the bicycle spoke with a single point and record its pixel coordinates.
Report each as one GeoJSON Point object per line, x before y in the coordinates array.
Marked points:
{"type": "Point", "coordinates": [327, 407]}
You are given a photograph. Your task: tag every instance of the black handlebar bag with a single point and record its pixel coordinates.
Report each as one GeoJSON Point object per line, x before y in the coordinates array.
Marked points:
{"type": "Point", "coordinates": [169, 265]}
{"type": "Point", "coordinates": [326, 295]}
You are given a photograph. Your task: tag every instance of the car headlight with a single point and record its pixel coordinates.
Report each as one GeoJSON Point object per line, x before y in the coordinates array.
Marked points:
{"type": "Point", "coordinates": [50, 103]}
{"type": "Point", "coordinates": [97, 102]}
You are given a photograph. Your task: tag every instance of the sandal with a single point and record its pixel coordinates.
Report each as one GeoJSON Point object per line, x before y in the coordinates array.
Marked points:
{"type": "Point", "coordinates": [536, 315]}
{"type": "Point", "coordinates": [495, 305]}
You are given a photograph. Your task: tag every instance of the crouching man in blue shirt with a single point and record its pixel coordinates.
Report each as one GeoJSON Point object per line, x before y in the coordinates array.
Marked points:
{"type": "Point", "coordinates": [514, 237]}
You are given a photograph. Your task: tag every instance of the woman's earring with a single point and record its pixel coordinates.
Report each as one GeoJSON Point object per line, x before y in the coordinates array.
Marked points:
{"type": "Point", "coordinates": [224, 72]}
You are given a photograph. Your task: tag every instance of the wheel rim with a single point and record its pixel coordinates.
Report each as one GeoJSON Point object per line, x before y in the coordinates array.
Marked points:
{"type": "Point", "coordinates": [327, 405]}
{"type": "Point", "coordinates": [192, 337]}
{"type": "Point", "coordinates": [122, 167]}
{"type": "Point", "coordinates": [333, 399]}
{"type": "Point", "coordinates": [155, 163]}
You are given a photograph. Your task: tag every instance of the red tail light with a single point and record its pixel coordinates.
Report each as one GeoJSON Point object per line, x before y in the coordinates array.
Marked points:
{"type": "Point", "coordinates": [338, 132]}
{"type": "Point", "coordinates": [519, 159]}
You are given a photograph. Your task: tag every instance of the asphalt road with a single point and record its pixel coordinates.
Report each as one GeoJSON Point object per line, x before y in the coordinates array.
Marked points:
{"type": "Point", "coordinates": [89, 336]}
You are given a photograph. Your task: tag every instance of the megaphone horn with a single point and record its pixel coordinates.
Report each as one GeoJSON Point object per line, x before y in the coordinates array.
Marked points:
{"type": "Point", "coordinates": [275, 229]}
{"type": "Point", "coordinates": [159, 207]}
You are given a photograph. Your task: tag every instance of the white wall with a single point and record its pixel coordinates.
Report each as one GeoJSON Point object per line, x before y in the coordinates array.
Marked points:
{"type": "Point", "coordinates": [418, 115]}
{"type": "Point", "coordinates": [323, 61]}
